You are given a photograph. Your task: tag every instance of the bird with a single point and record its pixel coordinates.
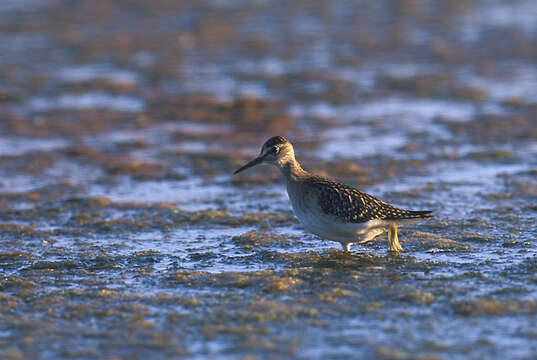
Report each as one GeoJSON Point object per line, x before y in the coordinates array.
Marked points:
{"type": "Point", "coordinates": [333, 210]}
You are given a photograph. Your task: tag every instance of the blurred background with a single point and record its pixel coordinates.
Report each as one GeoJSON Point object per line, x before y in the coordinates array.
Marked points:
{"type": "Point", "coordinates": [122, 121]}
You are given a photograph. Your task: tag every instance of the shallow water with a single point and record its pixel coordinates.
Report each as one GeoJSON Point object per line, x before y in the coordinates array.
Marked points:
{"type": "Point", "coordinates": [125, 235]}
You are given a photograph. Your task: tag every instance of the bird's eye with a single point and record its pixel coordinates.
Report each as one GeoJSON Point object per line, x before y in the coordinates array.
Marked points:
{"type": "Point", "coordinates": [275, 150]}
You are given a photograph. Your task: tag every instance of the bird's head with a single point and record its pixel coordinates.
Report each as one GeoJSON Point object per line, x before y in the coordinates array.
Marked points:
{"type": "Point", "coordinates": [277, 151]}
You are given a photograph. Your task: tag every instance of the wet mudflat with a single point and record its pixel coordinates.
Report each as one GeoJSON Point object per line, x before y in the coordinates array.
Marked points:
{"type": "Point", "coordinates": [123, 234]}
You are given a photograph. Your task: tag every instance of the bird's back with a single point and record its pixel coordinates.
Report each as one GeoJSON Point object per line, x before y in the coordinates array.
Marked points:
{"type": "Point", "coordinates": [345, 203]}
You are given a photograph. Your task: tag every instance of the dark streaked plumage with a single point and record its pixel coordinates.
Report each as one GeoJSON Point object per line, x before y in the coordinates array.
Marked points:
{"type": "Point", "coordinates": [352, 205]}
{"type": "Point", "coordinates": [275, 140]}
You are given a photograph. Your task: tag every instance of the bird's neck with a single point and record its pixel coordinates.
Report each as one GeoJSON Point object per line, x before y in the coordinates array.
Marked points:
{"type": "Point", "coordinates": [291, 170]}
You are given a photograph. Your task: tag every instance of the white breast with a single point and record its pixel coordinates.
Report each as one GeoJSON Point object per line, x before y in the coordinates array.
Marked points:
{"type": "Point", "coordinates": [308, 211]}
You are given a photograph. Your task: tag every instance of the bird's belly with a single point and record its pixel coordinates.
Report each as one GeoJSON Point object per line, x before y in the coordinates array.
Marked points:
{"type": "Point", "coordinates": [326, 226]}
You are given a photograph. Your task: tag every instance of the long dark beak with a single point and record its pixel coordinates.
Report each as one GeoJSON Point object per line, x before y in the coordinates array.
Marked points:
{"type": "Point", "coordinates": [254, 162]}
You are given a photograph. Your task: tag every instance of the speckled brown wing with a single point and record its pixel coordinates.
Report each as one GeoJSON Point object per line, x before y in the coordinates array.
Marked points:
{"type": "Point", "coordinates": [354, 206]}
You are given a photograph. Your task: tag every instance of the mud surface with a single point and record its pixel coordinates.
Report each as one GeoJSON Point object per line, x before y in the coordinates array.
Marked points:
{"type": "Point", "coordinates": [124, 234]}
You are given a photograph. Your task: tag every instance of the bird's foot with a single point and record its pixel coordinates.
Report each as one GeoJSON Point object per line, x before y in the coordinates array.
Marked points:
{"type": "Point", "coordinates": [371, 236]}
{"type": "Point", "coordinates": [346, 246]}
{"type": "Point", "coordinates": [393, 240]}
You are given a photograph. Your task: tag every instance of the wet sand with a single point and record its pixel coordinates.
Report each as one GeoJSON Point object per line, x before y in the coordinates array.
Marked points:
{"type": "Point", "coordinates": [124, 234]}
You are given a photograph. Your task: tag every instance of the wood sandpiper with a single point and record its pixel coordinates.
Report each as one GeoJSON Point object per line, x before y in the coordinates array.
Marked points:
{"type": "Point", "coordinates": [333, 210]}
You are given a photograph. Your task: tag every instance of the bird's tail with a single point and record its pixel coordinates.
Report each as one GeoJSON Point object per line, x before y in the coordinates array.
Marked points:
{"type": "Point", "coordinates": [410, 215]}
{"type": "Point", "coordinates": [421, 214]}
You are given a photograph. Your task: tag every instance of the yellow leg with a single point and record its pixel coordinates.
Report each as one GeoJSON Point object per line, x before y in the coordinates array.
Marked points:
{"type": "Point", "coordinates": [346, 246]}
{"type": "Point", "coordinates": [393, 241]}
{"type": "Point", "coordinates": [371, 236]}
